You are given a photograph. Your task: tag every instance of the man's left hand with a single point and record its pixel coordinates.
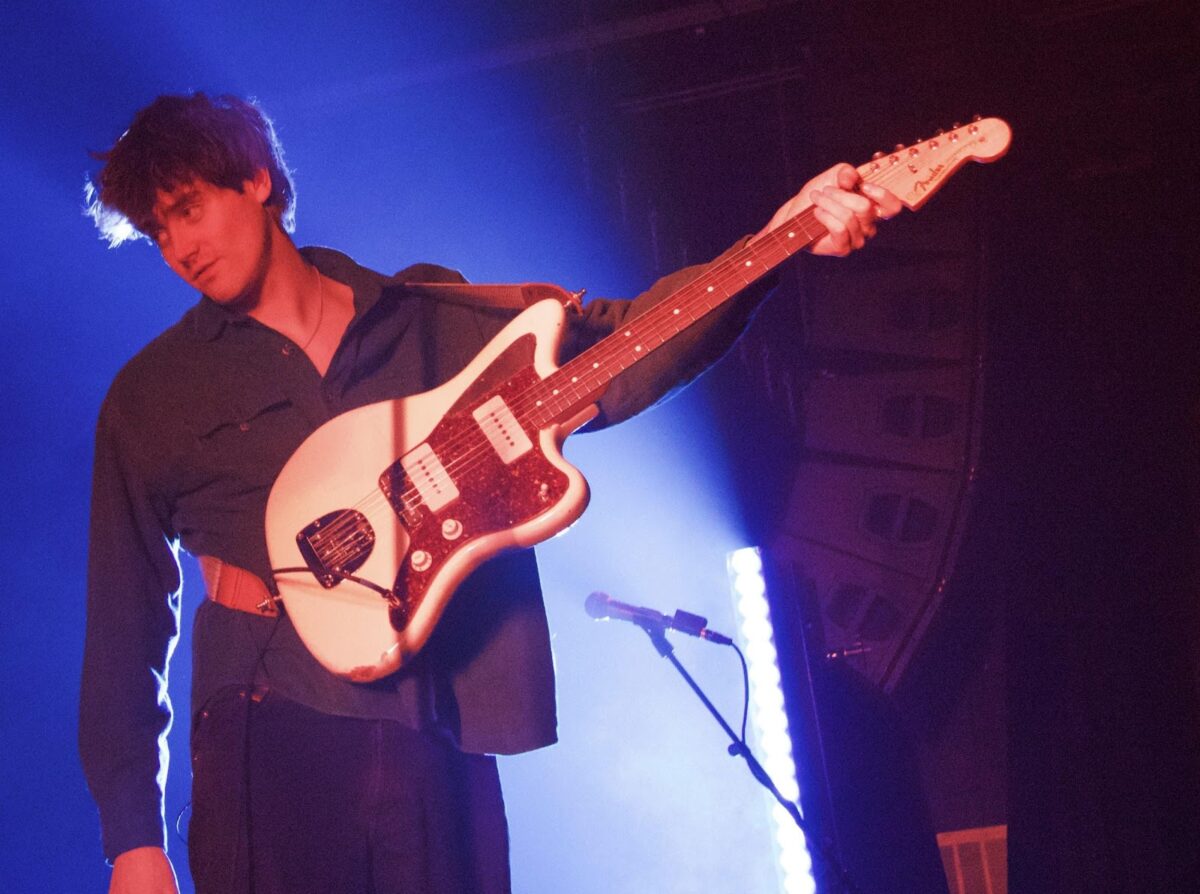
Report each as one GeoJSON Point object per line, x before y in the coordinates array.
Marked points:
{"type": "Point", "coordinates": [844, 204]}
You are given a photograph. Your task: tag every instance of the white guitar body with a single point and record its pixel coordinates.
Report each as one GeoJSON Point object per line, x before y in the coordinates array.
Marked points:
{"type": "Point", "coordinates": [384, 511]}
{"type": "Point", "coordinates": [350, 627]}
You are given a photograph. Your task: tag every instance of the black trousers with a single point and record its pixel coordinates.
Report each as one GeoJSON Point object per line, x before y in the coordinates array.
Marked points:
{"type": "Point", "coordinates": [286, 799]}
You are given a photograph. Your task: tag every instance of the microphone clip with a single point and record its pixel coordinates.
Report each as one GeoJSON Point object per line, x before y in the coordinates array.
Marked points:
{"type": "Point", "coordinates": [601, 606]}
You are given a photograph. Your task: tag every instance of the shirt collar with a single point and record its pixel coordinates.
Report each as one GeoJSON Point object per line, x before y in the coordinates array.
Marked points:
{"type": "Point", "coordinates": [212, 318]}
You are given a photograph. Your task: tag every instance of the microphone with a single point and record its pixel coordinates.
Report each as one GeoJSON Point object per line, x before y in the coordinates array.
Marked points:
{"type": "Point", "coordinates": [601, 606]}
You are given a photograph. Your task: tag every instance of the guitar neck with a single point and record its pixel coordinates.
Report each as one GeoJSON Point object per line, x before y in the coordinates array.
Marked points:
{"type": "Point", "coordinates": [913, 173]}
{"type": "Point", "coordinates": [579, 381]}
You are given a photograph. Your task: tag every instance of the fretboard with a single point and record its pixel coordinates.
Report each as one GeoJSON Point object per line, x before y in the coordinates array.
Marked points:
{"type": "Point", "coordinates": [912, 173]}
{"type": "Point", "coordinates": [579, 381]}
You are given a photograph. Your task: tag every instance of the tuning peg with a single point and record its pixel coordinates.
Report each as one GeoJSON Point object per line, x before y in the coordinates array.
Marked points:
{"type": "Point", "coordinates": [976, 117]}
{"type": "Point", "coordinates": [940, 131]}
{"type": "Point", "coordinates": [956, 125]}
{"type": "Point", "coordinates": [899, 146]}
{"type": "Point", "coordinates": [877, 156]}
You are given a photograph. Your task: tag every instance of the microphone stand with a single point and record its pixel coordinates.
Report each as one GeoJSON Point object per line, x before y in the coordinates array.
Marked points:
{"type": "Point", "coordinates": [738, 748]}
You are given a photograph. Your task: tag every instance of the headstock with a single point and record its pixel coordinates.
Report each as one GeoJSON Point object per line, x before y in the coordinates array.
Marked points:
{"type": "Point", "coordinates": [914, 173]}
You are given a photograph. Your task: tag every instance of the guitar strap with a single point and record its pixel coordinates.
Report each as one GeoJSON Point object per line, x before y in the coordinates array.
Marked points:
{"type": "Point", "coordinates": [506, 297]}
{"type": "Point", "coordinates": [235, 587]}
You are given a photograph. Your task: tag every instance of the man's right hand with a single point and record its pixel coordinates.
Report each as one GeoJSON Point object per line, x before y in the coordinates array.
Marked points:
{"type": "Point", "coordinates": [143, 870]}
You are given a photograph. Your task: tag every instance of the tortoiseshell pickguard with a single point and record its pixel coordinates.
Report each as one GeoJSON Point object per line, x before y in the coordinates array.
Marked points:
{"type": "Point", "coordinates": [492, 496]}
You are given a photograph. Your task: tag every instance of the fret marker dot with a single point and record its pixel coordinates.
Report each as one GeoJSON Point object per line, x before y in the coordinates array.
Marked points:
{"type": "Point", "coordinates": [595, 366]}
{"type": "Point", "coordinates": [675, 311]}
{"type": "Point", "coordinates": [555, 391]}
{"type": "Point", "coordinates": [710, 288]}
{"type": "Point", "coordinates": [791, 235]}
{"type": "Point", "coordinates": [638, 348]}
{"type": "Point", "coordinates": [748, 263]}
{"type": "Point", "coordinates": [539, 403]}
{"type": "Point", "coordinates": [628, 333]}
{"type": "Point", "coordinates": [574, 378]}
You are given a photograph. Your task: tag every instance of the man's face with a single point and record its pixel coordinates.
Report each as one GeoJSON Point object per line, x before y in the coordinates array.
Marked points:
{"type": "Point", "coordinates": [215, 238]}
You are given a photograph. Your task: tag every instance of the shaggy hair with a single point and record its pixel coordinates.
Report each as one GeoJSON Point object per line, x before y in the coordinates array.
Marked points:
{"type": "Point", "coordinates": [175, 140]}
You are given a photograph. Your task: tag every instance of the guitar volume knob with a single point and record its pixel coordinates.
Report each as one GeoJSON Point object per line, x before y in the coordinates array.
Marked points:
{"type": "Point", "coordinates": [421, 560]}
{"type": "Point", "coordinates": [452, 529]}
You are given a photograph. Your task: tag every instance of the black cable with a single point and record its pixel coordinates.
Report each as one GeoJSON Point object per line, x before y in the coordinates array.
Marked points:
{"type": "Point", "coordinates": [745, 689]}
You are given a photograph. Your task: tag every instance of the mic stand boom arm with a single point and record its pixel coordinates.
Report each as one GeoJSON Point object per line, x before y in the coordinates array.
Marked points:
{"type": "Point", "coordinates": [738, 748]}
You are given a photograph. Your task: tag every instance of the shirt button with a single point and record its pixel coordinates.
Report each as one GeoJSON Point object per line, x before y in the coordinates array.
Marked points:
{"type": "Point", "coordinates": [286, 351]}
{"type": "Point", "coordinates": [245, 426]}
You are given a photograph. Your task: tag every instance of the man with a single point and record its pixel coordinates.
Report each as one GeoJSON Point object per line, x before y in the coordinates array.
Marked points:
{"type": "Point", "coordinates": [303, 781]}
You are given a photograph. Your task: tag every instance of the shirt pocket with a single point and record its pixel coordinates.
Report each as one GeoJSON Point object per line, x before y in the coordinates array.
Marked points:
{"type": "Point", "coordinates": [243, 439]}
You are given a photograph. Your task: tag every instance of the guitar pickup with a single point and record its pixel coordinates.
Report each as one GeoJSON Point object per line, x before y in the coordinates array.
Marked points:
{"type": "Point", "coordinates": [502, 430]}
{"type": "Point", "coordinates": [417, 478]}
{"type": "Point", "coordinates": [406, 505]}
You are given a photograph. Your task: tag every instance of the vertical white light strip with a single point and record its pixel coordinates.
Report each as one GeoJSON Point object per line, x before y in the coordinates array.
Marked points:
{"type": "Point", "coordinates": [767, 714]}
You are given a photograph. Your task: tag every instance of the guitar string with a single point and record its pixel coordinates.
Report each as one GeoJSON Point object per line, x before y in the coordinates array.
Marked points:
{"type": "Point", "coordinates": [411, 497]}
{"type": "Point", "coordinates": [525, 402]}
{"type": "Point", "coordinates": [523, 405]}
{"type": "Point", "coordinates": [520, 406]}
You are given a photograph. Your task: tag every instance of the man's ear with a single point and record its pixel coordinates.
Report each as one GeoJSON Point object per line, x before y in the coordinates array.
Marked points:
{"type": "Point", "coordinates": [259, 185]}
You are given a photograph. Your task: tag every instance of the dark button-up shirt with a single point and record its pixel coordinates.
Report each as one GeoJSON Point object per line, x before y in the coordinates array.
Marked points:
{"type": "Point", "coordinates": [190, 438]}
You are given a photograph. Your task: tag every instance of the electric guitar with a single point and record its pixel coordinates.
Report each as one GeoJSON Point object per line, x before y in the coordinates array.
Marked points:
{"type": "Point", "coordinates": [384, 510]}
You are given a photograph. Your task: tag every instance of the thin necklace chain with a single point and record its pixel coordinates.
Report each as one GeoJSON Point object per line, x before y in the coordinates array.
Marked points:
{"type": "Point", "coordinates": [320, 311]}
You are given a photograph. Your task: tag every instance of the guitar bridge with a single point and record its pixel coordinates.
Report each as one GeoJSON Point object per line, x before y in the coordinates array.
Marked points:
{"type": "Point", "coordinates": [335, 545]}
